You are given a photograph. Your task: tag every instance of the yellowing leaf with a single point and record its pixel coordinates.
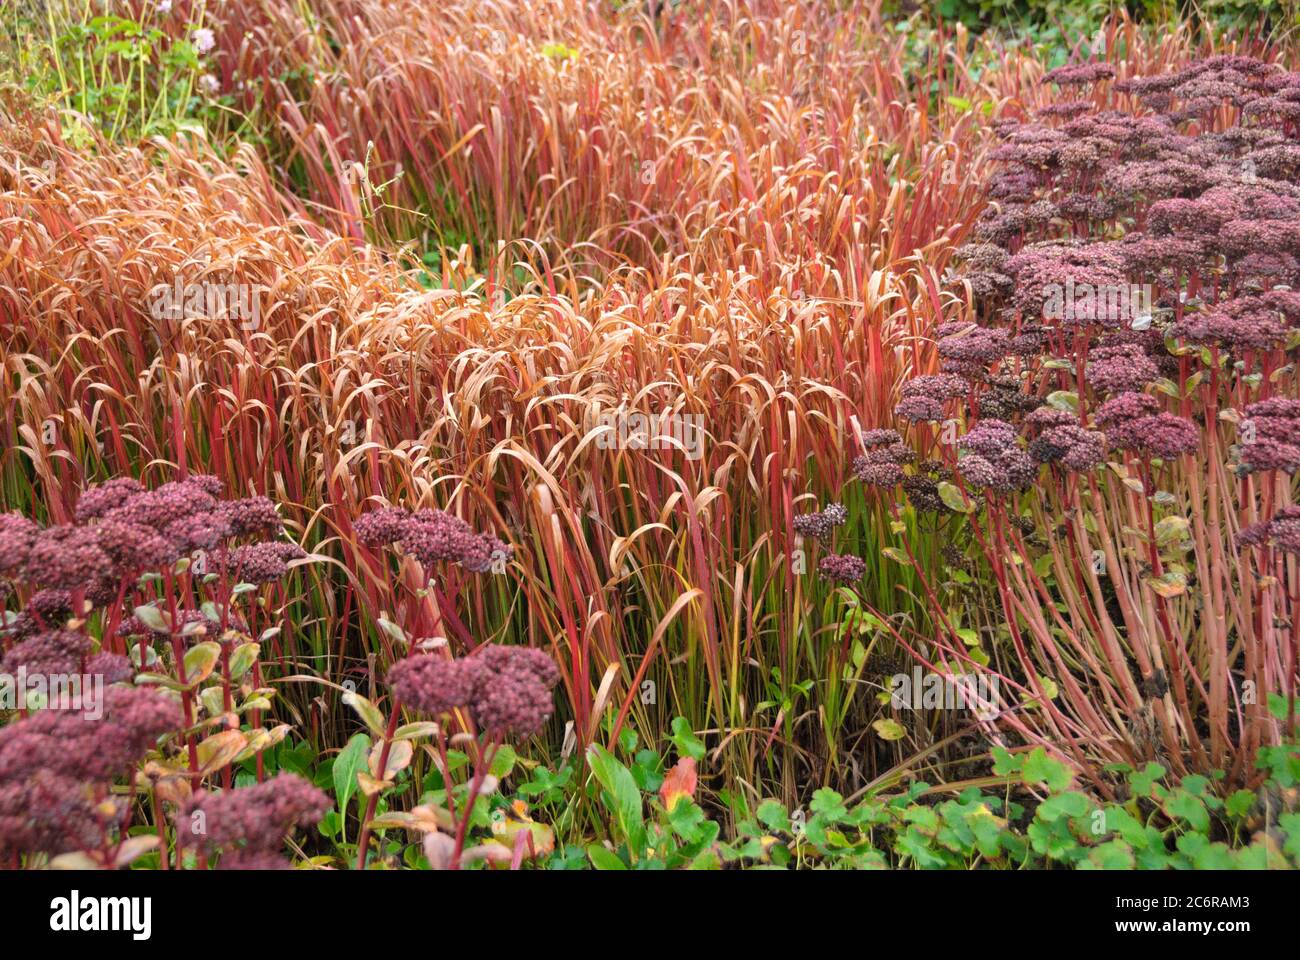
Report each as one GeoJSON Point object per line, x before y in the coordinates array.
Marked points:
{"type": "Point", "coordinates": [888, 729]}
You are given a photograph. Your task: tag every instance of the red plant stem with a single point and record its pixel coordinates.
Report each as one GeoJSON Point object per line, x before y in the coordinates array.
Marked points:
{"type": "Point", "coordinates": [363, 842]}
{"type": "Point", "coordinates": [481, 767]}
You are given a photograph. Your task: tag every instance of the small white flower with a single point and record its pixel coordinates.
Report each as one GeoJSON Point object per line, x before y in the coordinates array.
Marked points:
{"type": "Point", "coordinates": [204, 40]}
{"type": "Point", "coordinates": [164, 7]}
{"type": "Point", "coordinates": [209, 84]}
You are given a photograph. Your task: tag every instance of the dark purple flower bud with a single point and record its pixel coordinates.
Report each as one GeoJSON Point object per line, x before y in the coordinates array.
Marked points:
{"type": "Point", "coordinates": [257, 817]}
{"type": "Point", "coordinates": [133, 546]}
{"type": "Point", "coordinates": [263, 562]}
{"type": "Point", "coordinates": [842, 568]}
{"type": "Point", "coordinates": [1124, 408]}
{"type": "Point", "coordinates": [66, 557]}
{"type": "Point", "coordinates": [252, 516]}
{"type": "Point", "coordinates": [103, 497]}
{"type": "Point", "coordinates": [433, 684]}
{"type": "Point", "coordinates": [818, 526]}
{"type": "Point", "coordinates": [50, 652]}
{"type": "Point", "coordinates": [17, 534]}
{"type": "Point", "coordinates": [382, 527]}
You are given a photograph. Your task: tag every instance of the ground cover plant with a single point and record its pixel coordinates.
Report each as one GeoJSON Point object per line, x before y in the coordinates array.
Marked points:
{"type": "Point", "coordinates": [696, 435]}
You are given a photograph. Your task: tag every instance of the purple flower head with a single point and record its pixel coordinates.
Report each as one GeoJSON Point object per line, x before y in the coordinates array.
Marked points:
{"type": "Point", "coordinates": [1071, 445]}
{"type": "Point", "coordinates": [258, 817]}
{"type": "Point", "coordinates": [382, 527]}
{"type": "Point", "coordinates": [103, 497]}
{"type": "Point", "coordinates": [989, 438]}
{"type": "Point", "coordinates": [842, 568]}
{"type": "Point", "coordinates": [133, 547]}
{"type": "Point", "coordinates": [432, 536]}
{"type": "Point", "coordinates": [1267, 453]}
{"type": "Point", "coordinates": [252, 516]}
{"type": "Point", "coordinates": [506, 689]}
{"type": "Point", "coordinates": [164, 505]}
{"type": "Point", "coordinates": [1124, 408]}
{"type": "Point", "coordinates": [49, 652]}
{"type": "Point", "coordinates": [49, 608]}
{"type": "Point", "coordinates": [1078, 75]}
{"type": "Point", "coordinates": [1048, 417]}
{"type": "Point", "coordinates": [882, 437]}
{"type": "Point", "coordinates": [1122, 368]}
{"type": "Point", "coordinates": [111, 667]}
{"type": "Point", "coordinates": [1163, 435]}
{"type": "Point", "coordinates": [198, 531]}
{"type": "Point", "coordinates": [923, 493]}
{"type": "Point", "coordinates": [206, 483]}
{"type": "Point", "coordinates": [978, 345]}
{"type": "Point", "coordinates": [1282, 531]}
{"type": "Point", "coordinates": [818, 526]}
{"type": "Point", "coordinates": [937, 386]}
{"type": "Point", "coordinates": [17, 533]}
{"type": "Point", "coordinates": [48, 758]}
{"type": "Point", "coordinates": [514, 692]}
{"type": "Point", "coordinates": [881, 466]}
{"type": "Point", "coordinates": [1243, 323]}
{"type": "Point", "coordinates": [918, 409]}
{"type": "Point", "coordinates": [433, 684]}
{"type": "Point", "coordinates": [66, 557]}
{"type": "Point", "coordinates": [260, 563]}
{"type": "Point", "coordinates": [72, 744]}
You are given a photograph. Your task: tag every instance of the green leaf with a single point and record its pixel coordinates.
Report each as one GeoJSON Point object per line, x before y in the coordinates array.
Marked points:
{"type": "Point", "coordinates": [242, 660]}
{"type": "Point", "coordinates": [368, 712]}
{"type": "Point", "coordinates": [1063, 400]}
{"type": "Point", "coordinates": [199, 661]}
{"type": "Point", "coordinates": [685, 740]}
{"type": "Point", "coordinates": [1111, 855]}
{"type": "Point", "coordinates": [888, 729]}
{"type": "Point", "coordinates": [772, 814]}
{"type": "Point", "coordinates": [1040, 768]}
{"type": "Point", "coordinates": [623, 794]}
{"type": "Point", "coordinates": [1183, 805]}
{"type": "Point", "coordinates": [603, 859]}
{"type": "Point", "coordinates": [954, 499]}
{"type": "Point", "coordinates": [1239, 803]}
{"type": "Point", "coordinates": [350, 761]}
{"type": "Point", "coordinates": [1006, 763]}
{"type": "Point", "coordinates": [153, 618]}
{"type": "Point", "coordinates": [503, 761]}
